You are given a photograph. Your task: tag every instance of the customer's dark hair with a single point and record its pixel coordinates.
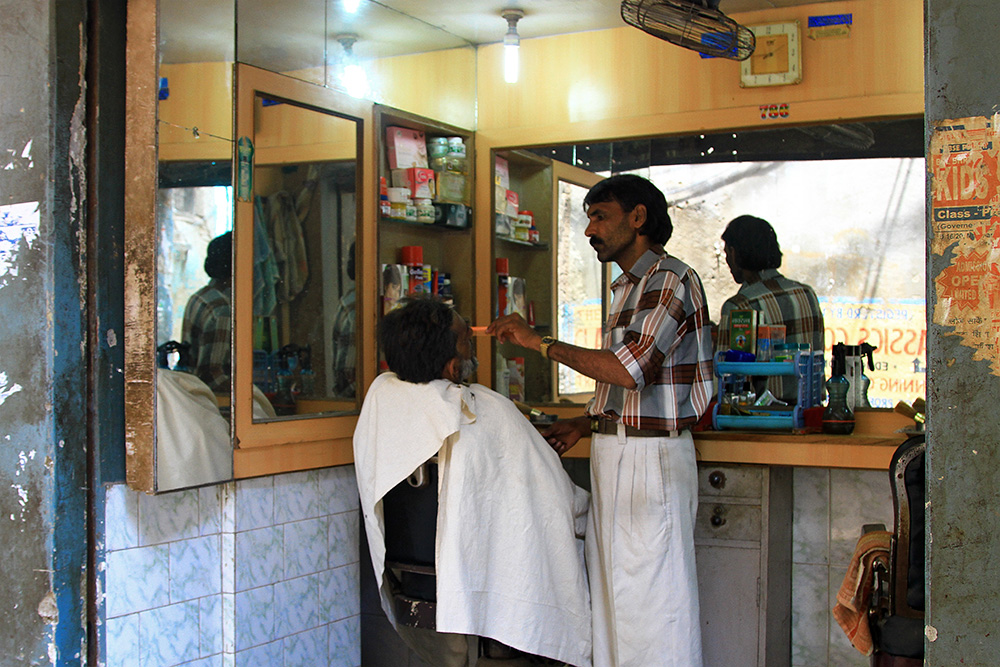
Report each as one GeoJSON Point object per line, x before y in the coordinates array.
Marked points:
{"type": "Point", "coordinates": [417, 338]}
{"type": "Point", "coordinates": [629, 191]}
{"type": "Point", "coordinates": [754, 242]}
{"type": "Point", "coordinates": [219, 257]}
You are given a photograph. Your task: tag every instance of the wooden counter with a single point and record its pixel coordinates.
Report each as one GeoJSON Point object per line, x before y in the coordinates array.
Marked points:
{"type": "Point", "coordinates": [870, 447]}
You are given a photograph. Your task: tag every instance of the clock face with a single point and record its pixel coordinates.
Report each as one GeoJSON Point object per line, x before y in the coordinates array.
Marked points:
{"type": "Point", "coordinates": [777, 59]}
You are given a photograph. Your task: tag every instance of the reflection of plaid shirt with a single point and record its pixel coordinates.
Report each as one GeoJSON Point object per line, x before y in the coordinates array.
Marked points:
{"type": "Point", "coordinates": [344, 346]}
{"type": "Point", "coordinates": [779, 301]}
{"type": "Point", "coordinates": [659, 329]}
{"type": "Point", "coordinates": [207, 326]}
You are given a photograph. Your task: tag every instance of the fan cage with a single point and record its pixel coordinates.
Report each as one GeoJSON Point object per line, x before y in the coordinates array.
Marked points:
{"type": "Point", "coordinates": [692, 26]}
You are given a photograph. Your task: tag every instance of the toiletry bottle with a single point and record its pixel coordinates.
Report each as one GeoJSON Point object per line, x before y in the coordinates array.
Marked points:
{"type": "Point", "coordinates": [837, 417]}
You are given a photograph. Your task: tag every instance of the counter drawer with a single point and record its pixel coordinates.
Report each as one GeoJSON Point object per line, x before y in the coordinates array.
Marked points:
{"type": "Point", "coordinates": [727, 521]}
{"type": "Point", "coordinates": [733, 481]}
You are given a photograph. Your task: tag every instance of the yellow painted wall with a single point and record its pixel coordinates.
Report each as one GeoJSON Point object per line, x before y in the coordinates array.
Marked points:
{"type": "Point", "coordinates": [439, 85]}
{"type": "Point", "coordinates": [624, 83]}
{"type": "Point", "coordinates": [201, 96]}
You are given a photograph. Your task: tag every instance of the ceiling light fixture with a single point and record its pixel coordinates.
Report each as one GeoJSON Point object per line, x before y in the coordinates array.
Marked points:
{"type": "Point", "coordinates": [511, 44]}
{"type": "Point", "coordinates": [351, 6]}
{"type": "Point", "coordinates": [352, 75]}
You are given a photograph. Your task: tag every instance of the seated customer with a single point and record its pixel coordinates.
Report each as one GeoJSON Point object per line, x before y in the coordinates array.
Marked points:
{"type": "Point", "coordinates": [753, 256]}
{"type": "Point", "coordinates": [510, 521]}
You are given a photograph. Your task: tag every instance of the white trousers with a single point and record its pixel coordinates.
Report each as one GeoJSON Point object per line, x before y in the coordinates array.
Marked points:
{"type": "Point", "coordinates": [640, 551]}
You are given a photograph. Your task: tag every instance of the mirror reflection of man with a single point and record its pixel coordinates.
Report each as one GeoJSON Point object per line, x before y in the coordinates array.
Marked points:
{"type": "Point", "coordinates": [654, 381]}
{"type": "Point", "coordinates": [509, 518]}
{"type": "Point", "coordinates": [754, 256]}
{"type": "Point", "coordinates": [208, 317]}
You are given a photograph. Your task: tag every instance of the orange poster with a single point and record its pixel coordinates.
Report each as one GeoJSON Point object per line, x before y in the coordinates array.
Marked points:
{"type": "Point", "coordinates": [965, 227]}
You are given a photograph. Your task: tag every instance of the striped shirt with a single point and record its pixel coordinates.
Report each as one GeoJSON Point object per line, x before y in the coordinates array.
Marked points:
{"type": "Point", "coordinates": [207, 326]}
{"type": "Point", "coordinates": [659, 330]}
{"type": "Point", "coordinates": [779, 301]}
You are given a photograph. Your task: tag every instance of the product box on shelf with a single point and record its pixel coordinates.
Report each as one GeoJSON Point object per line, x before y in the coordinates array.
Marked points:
{"type": "Point", "coordinates": [420, 181]}
{"type": "Point", "coordinates": [500, 199]}
{"type": "Point", "coordinates": [452, 215]}
{"type": "Point", "coordinates": [743, 330]}
{"type": "Point", "coordinates": [501, 173]}
{"type": "Point", "coordinates": [769, 336]}
{"type": "Point", "coordinates": [407, 148]}
{"type": "Point", "coordinates": [395, 281]}
{"type": "Point", "coordinates": [451, 187]}
{"type": "Point", "coordinates": [512, 204]}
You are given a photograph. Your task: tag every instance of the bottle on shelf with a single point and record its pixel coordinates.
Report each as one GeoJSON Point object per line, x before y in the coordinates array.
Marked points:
{"type": "Point", "coordinates": [838, 418]}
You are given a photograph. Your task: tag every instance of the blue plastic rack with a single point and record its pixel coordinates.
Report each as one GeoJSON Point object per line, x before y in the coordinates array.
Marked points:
{"type": "Point", "coordinates": [808, 367]}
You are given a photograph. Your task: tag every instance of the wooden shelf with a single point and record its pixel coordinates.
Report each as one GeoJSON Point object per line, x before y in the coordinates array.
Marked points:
{"type": "Point", "coordinates": [524, 244]}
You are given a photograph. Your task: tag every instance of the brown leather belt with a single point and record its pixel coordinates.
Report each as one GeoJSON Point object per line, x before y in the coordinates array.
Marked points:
{"type": "Point", "coordinates": [608, 427]}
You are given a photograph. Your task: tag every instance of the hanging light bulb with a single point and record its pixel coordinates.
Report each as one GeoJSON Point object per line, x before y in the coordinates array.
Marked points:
{"type": "Point", "coordinates": [352, 75]}
{"type": "Point", "coordinates": [511, 45]}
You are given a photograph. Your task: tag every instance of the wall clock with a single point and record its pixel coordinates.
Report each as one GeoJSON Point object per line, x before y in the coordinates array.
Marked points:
{"type": "Point", "coordinates": [777, 59]}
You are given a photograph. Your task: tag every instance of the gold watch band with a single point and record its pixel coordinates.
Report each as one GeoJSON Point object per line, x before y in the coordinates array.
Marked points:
{"type": "Point", "coordinates": [547, 342]}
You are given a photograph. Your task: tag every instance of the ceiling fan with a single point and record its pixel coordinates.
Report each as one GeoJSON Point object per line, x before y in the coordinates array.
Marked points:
{"type": "Point", "coordinates": [694, 24]}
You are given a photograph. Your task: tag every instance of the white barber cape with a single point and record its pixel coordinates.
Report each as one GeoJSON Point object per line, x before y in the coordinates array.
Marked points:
{"type": "Point", "coordinates": [509, 552]}
{"type": "Point", "coordinates": [192, 437]}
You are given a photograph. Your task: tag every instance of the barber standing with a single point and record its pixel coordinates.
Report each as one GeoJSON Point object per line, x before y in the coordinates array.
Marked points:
{"type": "Point", "coordinates": [654, 381]}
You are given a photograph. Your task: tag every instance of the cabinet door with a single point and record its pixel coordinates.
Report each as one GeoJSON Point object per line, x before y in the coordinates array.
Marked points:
{"type": "Point", "coordinates": [544, 270]}
{"type": "Point", "coordinates": [728, 580]}
{"type": "Point", "coordinates": [298, 230]}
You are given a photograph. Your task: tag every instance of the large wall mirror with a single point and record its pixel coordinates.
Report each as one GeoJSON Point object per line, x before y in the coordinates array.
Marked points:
{"type": "Point", "coordinates": [847, 204]}
{"type": "Point", "coordinates": [295, 242]}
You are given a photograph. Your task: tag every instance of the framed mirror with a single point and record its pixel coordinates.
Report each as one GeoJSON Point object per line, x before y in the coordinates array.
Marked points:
{"type": "Point", "coordinates": [300, 349]}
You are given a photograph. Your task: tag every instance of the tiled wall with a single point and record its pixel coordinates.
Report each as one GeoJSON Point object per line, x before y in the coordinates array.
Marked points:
{"type": "Point", "coordinates": [257, 572]}
{"type": "Point", "coordinates": [831, 506]}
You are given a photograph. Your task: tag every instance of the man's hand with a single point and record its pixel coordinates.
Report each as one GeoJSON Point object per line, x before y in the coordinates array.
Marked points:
{"type": "Point", "coordinates": [513, 328]}
{"type": "Point", "coordinates": [565, 433]}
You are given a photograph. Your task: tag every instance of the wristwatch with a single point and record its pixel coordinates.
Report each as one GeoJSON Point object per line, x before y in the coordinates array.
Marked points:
{"type": "Point", "coordinates": [547, 342]}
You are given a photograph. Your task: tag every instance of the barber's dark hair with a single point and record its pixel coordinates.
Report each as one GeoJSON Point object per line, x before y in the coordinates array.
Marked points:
{"type": "Point", "coordinates": [754, 242]}
{"type": "Point", "coordinates": [417, 338]}
{"type": "Point", "coordinates": [219, 257]}
{"type": "Point", "coordinates": [629, 191]}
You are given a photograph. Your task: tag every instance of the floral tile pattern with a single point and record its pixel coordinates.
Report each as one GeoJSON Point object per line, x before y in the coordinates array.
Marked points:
{"type": "Point", "coordinates": [254, 617]}
{"type": "Point", "coordinates": [343, 538]}
{"type": "Point", "coordinates": [254, 503]}
{"type": "Point", "coordinates": [255, 572]}
{"type": "Point", "coordinates": [121, 513]}
{"type": "Point", "coordinates": [296, 604]}
{"type": "Point", "coordinates": [136, 579]}
{"type": "Point", "coordinates": [167, 517]}
{"type": "Point", "coordinates": [305, 648]}
{"type": "Point", "coordinates": [296, 496]}
{"type": "Point", "coordinates": [259, 556]}
{"type": "Point", "coordinates": [169, 635]}
{"type": "Point", "coordinates": [339, 592]}
{"type": "Point", "coordinates": [122, 640]}
{"type": "Point", "coordinates": [195, 568]}
{"type": "Point", "coordinates": [345, 649]}
{"type": "Point", "coordinates": [306, 550]}
{"type": "Point", "coordinates": [210, 625]}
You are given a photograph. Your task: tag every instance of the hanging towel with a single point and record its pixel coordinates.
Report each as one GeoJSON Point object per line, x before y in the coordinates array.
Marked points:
{"type": "Point", "coordinates": [510, 521]}
{"type": "Point", "coordinates": [854, 596]}
{"type": "Point", "coordinates": [265, 269]}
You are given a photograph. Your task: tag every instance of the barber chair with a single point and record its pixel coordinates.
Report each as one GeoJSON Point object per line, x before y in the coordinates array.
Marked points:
{"type": "Point", "coordinates": [410, 514]}
{"type": "Point", "coordinates": [896, 614]}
